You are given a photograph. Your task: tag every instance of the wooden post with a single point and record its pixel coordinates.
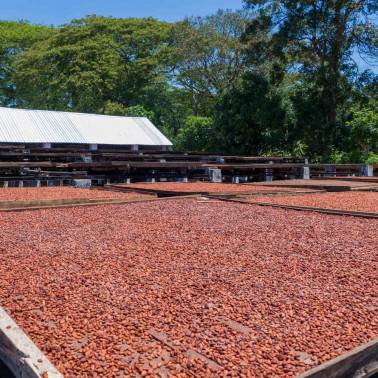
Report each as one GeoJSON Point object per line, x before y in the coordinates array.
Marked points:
{"type": "Point", "coordinates": [20, 354]}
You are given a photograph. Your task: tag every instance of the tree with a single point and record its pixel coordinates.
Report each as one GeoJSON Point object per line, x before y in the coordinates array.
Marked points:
{"type": "Point", "coordinates": [209, 56]}
{"type": "Point", "coordinates": [276, 78]}
{"type": "Point", "coordinates": [251, 117]}
{"type": "Point", "coordinates": [93, 61]}
{"type": "Point", "coordinates": [198, 135]}
{"type": "Point", "coordinates": [364, 129]}
{"type": "Point", "coordinates": [100, 65]}
{"type": "Point", "coordinates": [318, 39]}
{"type": "Point", "coordinates": [15, 37]}
{"type": "Point", "coordinates": [139, 111]}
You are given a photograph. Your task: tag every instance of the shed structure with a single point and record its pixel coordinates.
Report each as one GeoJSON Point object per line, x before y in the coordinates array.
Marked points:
{"type": "Point", "coordinates": [48, 148]}
{"type": "Point", "coordinates": [53, 127]}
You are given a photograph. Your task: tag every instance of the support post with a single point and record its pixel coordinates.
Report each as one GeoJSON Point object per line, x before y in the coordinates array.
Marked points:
{"type": "Point", "coordinates": [215, 175]}
{"type": "Point", "coordinates": [367, 170]}
{"type": "Point", "coordinates": [269, 173]}
{"type": "Point", "coordinates": [306, 173]}
{"type": "Point", "coordinates": [82, 183]}
{"type": "Point", "coordinates": [20, 354]}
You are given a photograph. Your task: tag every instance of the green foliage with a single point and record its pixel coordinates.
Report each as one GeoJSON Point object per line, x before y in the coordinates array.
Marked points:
{"type": "Point", "coordinates": [15, 37]}
{"type": "Point", "coordinates": [209, 55]}
{"type": "Point", "coordinates": [138, 111]}
{"type": "Point", "coordinates": [92, 61]}
{"type": "Point", "coordinates": [251, 117]}
{"type": "Point", "coordinates": [316, 41]}
{"type": "Point", "coordinates": [372, 158]}
{"type": "Point", "coordinates": [313, 125]}
{"type": "Point", "coordinates": [277, 78]}
{"type": "Point", "coordinates": [198, 134]}
{"type": "Point", "coordinates": [364, 129]}
{"type": "Point", "coordinates": [113, 108]}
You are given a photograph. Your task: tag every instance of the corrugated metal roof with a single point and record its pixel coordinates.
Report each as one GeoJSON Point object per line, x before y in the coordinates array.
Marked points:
{"type": "Point", "coordinates": [41, 126]}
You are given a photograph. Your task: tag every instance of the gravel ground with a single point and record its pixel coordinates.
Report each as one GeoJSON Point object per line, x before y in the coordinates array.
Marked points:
{"type": "Point", "coordinates": [205, 187]}
{"type": "Point", "coordinates": [355, 201]}
{"type": "Point", "coordinates": [193, 288]}
{"type": "Point", "coordinates": [51, 193]}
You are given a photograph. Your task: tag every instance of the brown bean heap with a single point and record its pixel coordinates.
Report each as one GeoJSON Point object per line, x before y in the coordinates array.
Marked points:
{"type": "Point", "coordinates": [51, 193]}
{"type": "Point", "coordinates": [354, 201]}
{"type": "Point", "coordinates": [190, 288]}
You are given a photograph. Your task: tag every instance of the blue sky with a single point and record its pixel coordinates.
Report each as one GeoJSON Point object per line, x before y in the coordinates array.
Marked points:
{"type": "Point", "coordinates": [58, 12]}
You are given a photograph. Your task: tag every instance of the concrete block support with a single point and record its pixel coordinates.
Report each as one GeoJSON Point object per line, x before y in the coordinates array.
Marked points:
{"type": "Point", "coordinates": [82, 183]}
{"type": "Point", "coordinates": [268, 175]}
{"type": "Point", "coordinates": [367, 170]}
{"type": "Point", "coordinates": [215, 175]}
{"type": "Point", "coordinates": [239, 179]}
{"type": "Point", "coordinates": [306, 173]}
{"type": "Point", "coordinates": [20, 354]}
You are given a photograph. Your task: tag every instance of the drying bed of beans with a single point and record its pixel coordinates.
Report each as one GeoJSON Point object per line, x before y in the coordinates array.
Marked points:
{"type": "Point", "coordinates": [336, 183]}
{"type": "Point", "coordinates": [56, 193]}
{"type": "Point", "coordinates": [363, 178]}
{"type": "Point", "coordinates": [189, 288]}
{"type": "Point", "coordinates": [205, 187]}
{"type": "Point", "coordinates": [352, 201]}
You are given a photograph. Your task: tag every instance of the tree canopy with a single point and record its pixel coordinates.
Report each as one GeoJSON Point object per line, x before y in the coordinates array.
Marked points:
{"type": "Point", "coordinates": [276, 77]}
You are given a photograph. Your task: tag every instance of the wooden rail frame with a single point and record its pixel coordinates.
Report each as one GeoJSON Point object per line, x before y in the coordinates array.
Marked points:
{"type": "Point", "coordinates": [20, 354]}
{"type": "Point", "coordinates": [361, 362]}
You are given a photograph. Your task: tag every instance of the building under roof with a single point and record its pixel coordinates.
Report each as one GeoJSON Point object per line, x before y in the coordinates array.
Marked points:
{"type": "Point", "coordinates": [53, 127]}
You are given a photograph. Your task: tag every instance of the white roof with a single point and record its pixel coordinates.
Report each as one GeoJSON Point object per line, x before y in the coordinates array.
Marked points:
{"type": "Point", "coordinates": [41, 126]}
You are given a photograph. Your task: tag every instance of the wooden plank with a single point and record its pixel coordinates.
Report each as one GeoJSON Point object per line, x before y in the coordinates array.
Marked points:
{"type": "Point", "coordinates": [20, 354]}
{"type": "Point", "coordinates": [361, 362]}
